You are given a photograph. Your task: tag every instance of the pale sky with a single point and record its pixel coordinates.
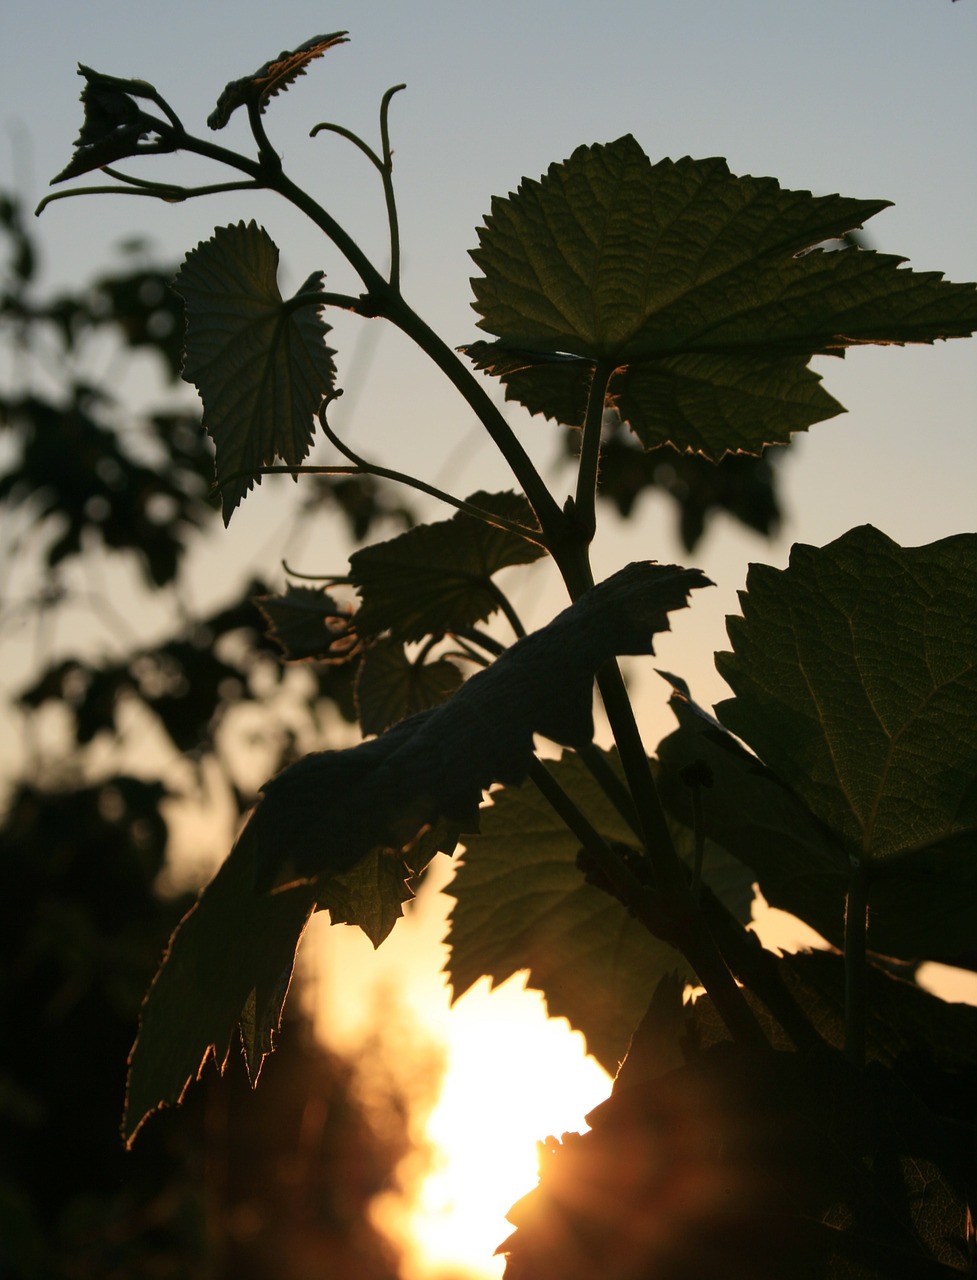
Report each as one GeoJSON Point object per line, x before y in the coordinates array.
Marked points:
{"type": "Point", "coordinates": [875, 99]}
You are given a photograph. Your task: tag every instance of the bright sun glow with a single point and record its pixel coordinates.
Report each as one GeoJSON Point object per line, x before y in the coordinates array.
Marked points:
{"type": "Point", "coordinates": [513, 1076]}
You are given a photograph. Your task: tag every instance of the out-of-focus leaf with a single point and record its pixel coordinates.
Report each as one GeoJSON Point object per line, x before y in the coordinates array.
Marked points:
{"type": "Point", "coordinates": [364, 501]}
{"type": "Point", "coordinates": [439, 576]}
{"type": "Point", "coordinates": [391, 686]}
{"type": "Point", "coordinates": [855, 675]}
{"type": "Point", "coordinates": [704, 291]}
{"type": "Point", "coordinates": [325, 812]}
{"type": "Point", "coordinates": [742, 1165]}
{"type": "Point", "coordinates": [271, 78]}
{"type": "Point", "coordinates": [740, 485]}
{"type": "Point", "coordinates": [522, 903]}
{"type": "Point", "coordinates": [308, 623]}
{"type": "Point", "coordinates": [261, 365]}
{"type": "Point", "coordinates": [74, 471]}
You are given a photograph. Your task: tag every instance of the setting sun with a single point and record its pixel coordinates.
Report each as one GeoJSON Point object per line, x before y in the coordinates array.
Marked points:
{"type": "Point", "coordinates": [513, 1076]}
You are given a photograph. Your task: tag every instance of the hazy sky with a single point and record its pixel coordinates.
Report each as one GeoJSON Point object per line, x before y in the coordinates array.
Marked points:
{"type": "Point", "coordinates": [875, 99]}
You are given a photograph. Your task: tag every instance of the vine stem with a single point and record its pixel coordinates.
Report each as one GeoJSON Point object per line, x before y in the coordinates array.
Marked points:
{"type": "Point", "coordinates": [856, 928]}
{"type": "Point", "coordinates": [585, 502]}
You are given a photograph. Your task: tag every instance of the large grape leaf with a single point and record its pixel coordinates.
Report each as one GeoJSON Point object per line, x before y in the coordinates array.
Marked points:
{"type": "Point", "coordinates": [705, 290]}
{"type": "Point", "coordinates": [325, 812]}
{"type": "Point", "coordinates": [436, 577]}
{"type": "Point", "coordinates": [855, 679]}
{"type": "Point", "coordinates": [261, 365]}
{"type": "Point", "coordinates": [924, 906]}
{"type": "Point", "coordinates": [522, 903]}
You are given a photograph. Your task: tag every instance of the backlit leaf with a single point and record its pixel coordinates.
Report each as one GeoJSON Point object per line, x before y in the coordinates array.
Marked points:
{"type": "Point", "coordinates": [522, 903]}
{"type": "Point", "coordinates": [370, 895]}
{"type": "Point", "coordinates": [326, 811]}
{"type": "Point", "coordinates": [391, 686]}
{"type": "Point", "coordinates": [274, 77]}
{"type": "Point", "coordinates": [437, 577]}
{"type": "Point", "coordinates": [262, 366]}
{"type": "Point", "coordinates": [855, 675]}
{"type": "Point", "coordinates": [705, 290]}
{"type": "Point", "coordinates": [229, 964]}
{"type": "Point", "coordinates": [231, 955]}
{"type": "Point", "coordinates": [925, 909]}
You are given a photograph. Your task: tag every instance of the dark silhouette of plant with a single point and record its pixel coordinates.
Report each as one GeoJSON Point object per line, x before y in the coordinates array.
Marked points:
{"type": "Point", "coordinates": [687, 303]}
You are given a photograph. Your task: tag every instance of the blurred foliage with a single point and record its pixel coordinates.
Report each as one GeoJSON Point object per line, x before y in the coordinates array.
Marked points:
{"type": "Point", "coordinates": [742, 486]}
{"type": "Point", "coordinates": [236, 1183]}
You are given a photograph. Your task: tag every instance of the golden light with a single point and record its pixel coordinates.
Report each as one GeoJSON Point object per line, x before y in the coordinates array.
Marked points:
{"type": "Point", "coordinates": [513, 1076]}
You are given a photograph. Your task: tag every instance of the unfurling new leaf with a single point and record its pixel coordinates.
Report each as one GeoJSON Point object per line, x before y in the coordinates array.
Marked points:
{"type": "Point", "coordinates": [274, 77]}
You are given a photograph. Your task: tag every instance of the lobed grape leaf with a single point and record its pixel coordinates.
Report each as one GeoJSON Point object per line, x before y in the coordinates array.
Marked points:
{"type": "Point", "coordinates": [330, 808]}
{"type": "Point", "coordinates": [707, 292]}
{"type": "Point", "coordinates": [437, 577]}
{"type": "Point", "coordinates": [925, 909]}
{"type": "Point", "coordinates": [274, 77]}
{"type": "Point", "coordinates": [391, 686]}
{"type": "Point", "coordinates": [522, 903]}
{"type": "Point", "coordinates": [855, 675]}
{"type": "Point", "coordinates": [260, 364]}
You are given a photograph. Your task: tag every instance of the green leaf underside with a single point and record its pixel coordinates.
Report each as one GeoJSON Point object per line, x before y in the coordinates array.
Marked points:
{"type": "Point", "coordinates": [390, 686]}
{"type": "Point", "coordinates": [231, 955]}
{"type": "Point", "coordinates": [325, 812]}
{"type": "Point", "coordinates": [855, 675]}
{"type": "Point", "coordinates": [926, 910]}
{"type": "Point", "coordinates": [437, 577]}
{"type": "Point", "coordinates": [308, 623]}
{"type": "Point", "coordinates": [522, 903]}
{"type": "Point", "coordinates": [261, 367]}
{"type": "Point", "coordinates": [370, 894]}
{"type": "Point", "coordinates": [274, 77]}
{"type": "Point", "coordinates": [608, 257]}
{"type": "Point", "coordinates": [701, 403]}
